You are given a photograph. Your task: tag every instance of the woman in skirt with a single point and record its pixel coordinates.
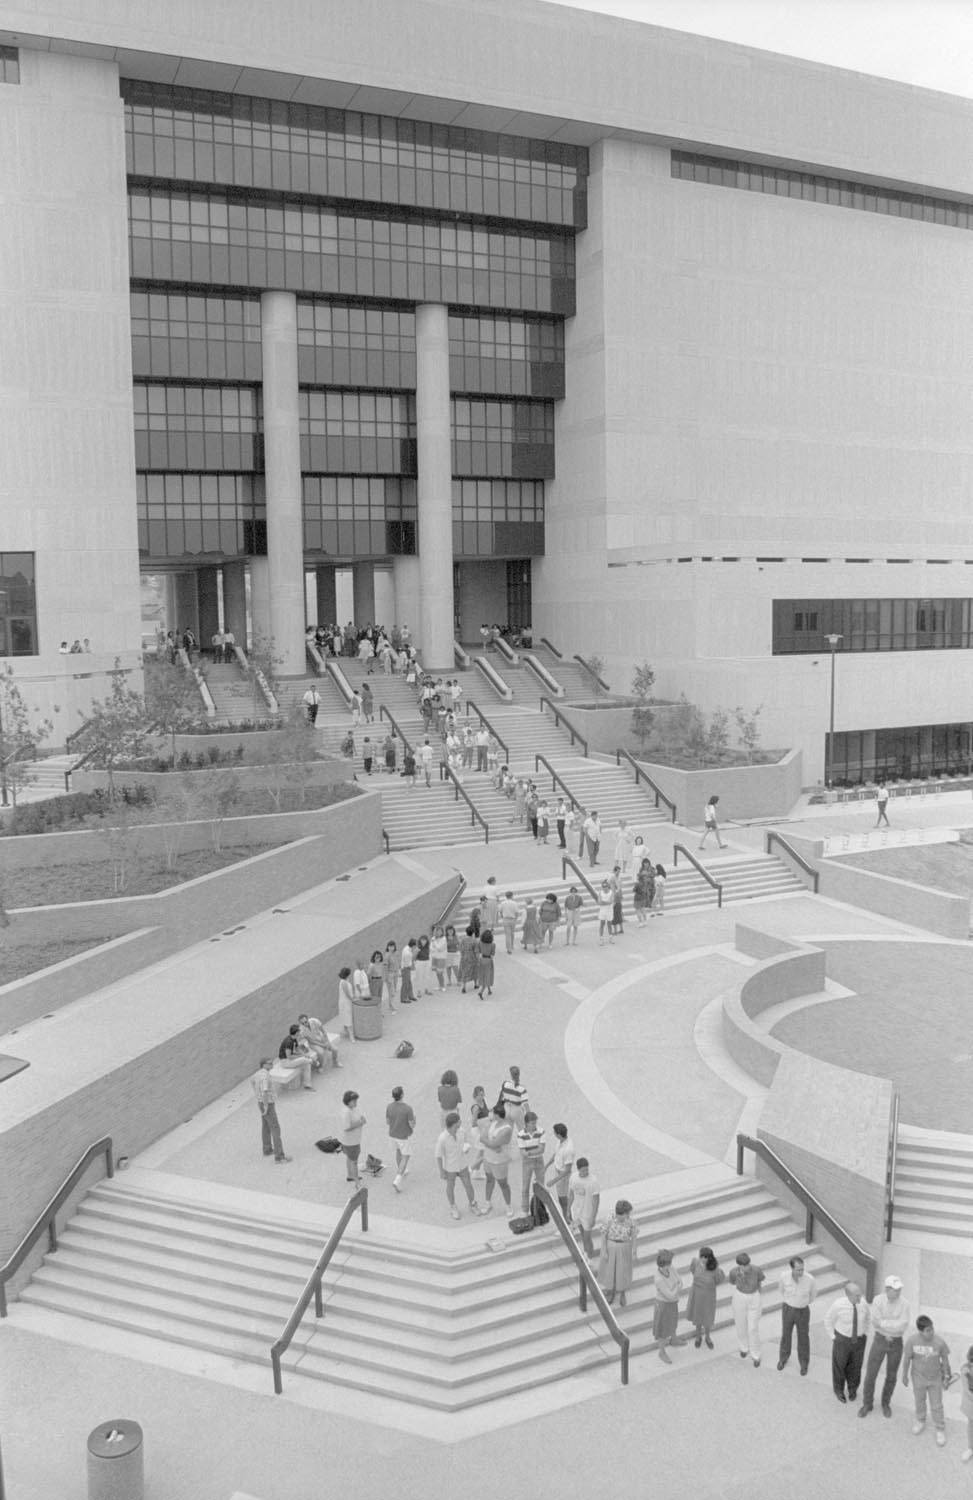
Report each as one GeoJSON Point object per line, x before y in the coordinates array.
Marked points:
{"type": "Point", "coordinates": [452, 956]}
{"type": "Point", "coordinates": [392, 970]}
{"type": "Point", "coordinates": [531, 939]}
{"type": "Point", "coordinates": [668, 1286]}
{"type": "Point", "coordinates": [707, 1274]}
{"type": "Point", "coordinates": [484, 966]}
{"type": "Point", "coordinates": [376, 975]}
{"type": "Point", "coordinates": [618, 1252]}
{"type": "Point", "coordinates": [422, 978]}
{"type": "Point", "coordinates": [437, 954]}
{"type": "Point", "coordinates": [469, 948]}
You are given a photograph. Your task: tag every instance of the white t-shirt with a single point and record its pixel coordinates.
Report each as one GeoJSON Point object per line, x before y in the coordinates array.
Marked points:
{"type": "Point", "coordinates": [584, 1191]}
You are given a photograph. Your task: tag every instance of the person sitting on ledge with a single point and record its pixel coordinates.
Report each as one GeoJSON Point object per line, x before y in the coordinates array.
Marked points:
{"type": "Point", "coordinates": [291, 1055]}
{"type": "Point", "coordinates": [313, 1033]}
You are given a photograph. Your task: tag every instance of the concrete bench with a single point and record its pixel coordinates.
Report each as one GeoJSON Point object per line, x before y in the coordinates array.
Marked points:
{"type": "Point", "coordinates": [284, 1078]}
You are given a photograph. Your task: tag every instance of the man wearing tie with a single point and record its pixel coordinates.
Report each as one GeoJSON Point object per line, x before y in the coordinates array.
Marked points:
{"type": "Point", "coordinates": [847, 1321]}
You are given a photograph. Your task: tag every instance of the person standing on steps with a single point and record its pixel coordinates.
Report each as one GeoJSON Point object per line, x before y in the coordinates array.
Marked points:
{"type": "Point", "coordinates": [618, 915]}
{"type": "Point", "coordinates": [573, 902]}
{"type": "Point", "coordinates": [530, 1143]}
{"type": "Point", "coordinates": [668, 1288]}
{"type": "Point", "coordinates": [926, 1356]}
{"type": "Point", "coordinates": [312, 702]}
{"type": "Point", "coordinates": [560, 819]}
{"type": "Point", "coordinates": [711, 823]}
{"type": "Point", "coordinates": [707, 1274]}
{"type": "Point", "coordinates": [267, 1104]}
{"type": "Point", "coordinates": [883, 802]}
{"type": "Point", "coordinates": [890, 1320]}
{"type": "Point", "coordinates": [425, 759]}
{"type": "Point", "coordinates": [401, 1121]}
{"type": "Point", "coordinates": [452, 1158]}
{"type": "Point", "coordinates": [847, 1321]}
{"type": "Point", "coordinates": [577, 828]}
{"type": "Point", "coordinates": [606, 904]}
{"type": "Point", "coordinates": [624, 843]}
{"type": "Point", "coordinates": [585, 1192]}
{"type": "Point", "coordinates": [619, 1252]}
{"type": "Point", "coordinates": [797, 1290]}
{"type": "Point", "coordinates": [490, 903]}
{"type": "Point", "coordinates": [557, 1172]}
{"type": "Point", "coordinates": [509, 913]}
{"type": "Point", "coordinates": [745, 1279]}
{"type": "Point", "coordinates": [592, 837]}
{"type": "Point", "coordinates": [531, 936]}
{"type": "Point", "coordinates": [390, 750]}
{"type": "Point", "coordinates": [354, 708]}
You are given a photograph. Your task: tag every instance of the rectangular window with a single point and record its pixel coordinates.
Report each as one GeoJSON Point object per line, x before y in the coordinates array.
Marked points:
{"type": "Point", "coordinates": [10, 73]}
{"type": "Point", "coordinates": [18, 605]}
{"type": "Point", "coordinates": [801, 626]}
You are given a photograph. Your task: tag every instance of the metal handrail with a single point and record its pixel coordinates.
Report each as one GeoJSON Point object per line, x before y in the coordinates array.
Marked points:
{"type": "Point", "coordinates": [487, 725]}
{"type": "Point", "coordinates": [814, 1209]}
{"type": "Point", "coordinates": [461, 656]}
{"type": "Point", "coordinates": [560, 719]}
{"type": "Point", "coordinates": [567, 860]}
{"type": "Point", "coordinates": [547, 679]}
{"type": "Point", "coordinates": [642, 775]}
{"type": "Point", "coordinates": [587, 1281]}
{"type": "Point", "coordinates": [386, 713]}
{"type": "Point", "coordinates": [333, 668]}
{"type": "Point", "coordinates": [46, 1219]}
{"type": "Point", "coordinates": [592, 673]}
{"type": "Point", "coordinates": [316, 659]}
{"type": "Point", "coordinates": [558, 781]}
{"type": "Point", "coordinates": [552, 648]}
{"type": "Point", "coordinates": [460, 888]}
{"type": "Point", "coordinates": [460, 791]}
{"type": "Point", "coordinates": [312, 1287]}
{"type": "Point", "coordinates": [388, 843]}
{"type": "Point", "coordinates": [773, 837]}
{"type": "Point", "coordinates": [891, 1161]}
{"type": "Point", "coordinates": [678, 849]}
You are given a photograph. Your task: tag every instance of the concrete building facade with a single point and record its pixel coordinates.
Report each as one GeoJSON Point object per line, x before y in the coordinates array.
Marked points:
{"type": "Point", "coordinates": [496, 311]}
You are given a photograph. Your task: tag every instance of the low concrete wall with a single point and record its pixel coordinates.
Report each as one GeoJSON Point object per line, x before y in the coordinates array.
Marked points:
{"type": "Point", "coordinates": [938, 911]}
{"type": "Point", "coordinates": [318, 773]}
{"type": "Point", "coordinates": [155, 1090]}
{"type": "Point", "coordinates": [786, 975]}
{"type": "Point", "coordinates": [744, 791]}
{"type": "Point", "coordinates": [830, 1126]}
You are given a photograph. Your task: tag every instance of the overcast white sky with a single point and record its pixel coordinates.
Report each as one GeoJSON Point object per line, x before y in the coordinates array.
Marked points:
{"type": "Point", "coordinates": [926, 42]}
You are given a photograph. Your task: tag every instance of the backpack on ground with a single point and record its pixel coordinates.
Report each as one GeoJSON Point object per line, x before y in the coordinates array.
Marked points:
{"type": "Point", "coordinates": [538, 1213]}
{"type": "Point", "coordinates": [404, 1049]}
{"type": "Point", "coordinates": [521, 1225]}
{"type": "Point", "coordinates": [374, 1166]}
{"type": "Point", "coordinates": [329, 1145]}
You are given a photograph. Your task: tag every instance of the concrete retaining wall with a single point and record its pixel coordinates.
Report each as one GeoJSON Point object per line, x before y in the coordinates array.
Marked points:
{"type": "Point", "coordinates": [317, 773]}
{"type": "Point", "coordinates": [744, 791]}
{"type": "Point", "coordinates": [786, 975]}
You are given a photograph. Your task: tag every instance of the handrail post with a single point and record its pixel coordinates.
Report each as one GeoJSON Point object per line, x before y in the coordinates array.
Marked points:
{"type": "Point", "coordinates": [808, 1224]}
{"type": "Point", "coordinates": [318, 1300]}
{"type": "Point", "coordinates": [275, 1361]}
{"type": "Point", "coordinates": [739, 1156]}
{"type": "Point", "coordinates": [625, 1350]}
{"type": "Point", "coordinates": [582, 1292]}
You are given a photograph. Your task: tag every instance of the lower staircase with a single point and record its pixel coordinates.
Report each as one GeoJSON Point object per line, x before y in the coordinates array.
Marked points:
{"type": "Point", "coordinates": [434, 1328]}
{"type": "Point", "coordinates": [934, 1187]}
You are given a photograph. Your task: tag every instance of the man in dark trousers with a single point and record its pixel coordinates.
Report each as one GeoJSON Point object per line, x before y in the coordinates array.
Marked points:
{"type": "Point", "coordinates": [267, 1104]}
{"type": "Point", "coordinates": [847, 1321]}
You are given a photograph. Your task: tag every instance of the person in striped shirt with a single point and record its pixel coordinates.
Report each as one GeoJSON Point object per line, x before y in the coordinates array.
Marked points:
{"type": "Point", "coordinates": [513, 1097]}
{"type": "Point", "coordinates": [530, 1142]}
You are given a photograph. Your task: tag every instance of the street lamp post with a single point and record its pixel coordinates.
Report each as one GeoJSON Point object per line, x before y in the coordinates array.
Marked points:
{"type": "Point", "coordinates": [832, 641]}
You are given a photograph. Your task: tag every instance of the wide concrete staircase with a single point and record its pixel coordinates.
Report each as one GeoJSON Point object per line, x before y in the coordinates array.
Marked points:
{"type": "Point", "coordinates": [577, 683]}
{"type": "Point", "coordinates": [611, 791]}
{"type": "Point", "coordinates": [934, 1186]}
{"type": "Point", "coordinates": [446, 1329]}
{"type": "Point", "coordinates": [48, 773]}
{"type": "Point", "coordinates": [232, 694]}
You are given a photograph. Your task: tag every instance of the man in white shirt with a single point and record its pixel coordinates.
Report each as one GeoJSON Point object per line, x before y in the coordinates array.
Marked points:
{"type": "Point", "coordinates": [585, 1192]}
{"type": "Point", "coordinates": [847, 1321]}
{"type": "Point", "coordinates": [425, 760]}
{"type": "Point", "coordinates": [312, 702]}
{"type": "Point", "coordinates": [890, 1321]}
{"type": "Point", "coordinates": [509, 912]}
{"type": "Point", "coordinates": [452, 1157]}
{"type": "Point", "coordinates": [482, 744]}
{"type": "Point", "coordinates": [557, 1173]}
{"type": "Point", "coordinates": [797, 1290]}
{"type": "Point", "coordinates": [592, 834]}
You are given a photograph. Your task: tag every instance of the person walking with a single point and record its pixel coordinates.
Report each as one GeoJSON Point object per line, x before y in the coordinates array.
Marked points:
{"type": "Point", "coordinates": [745, 1279]}
{"type": "Point", "coordinates": [707, 1274]}
{"type": "Point", "coordinates": [573, 902]}
{"type": "Point", "coordinates": [619, 1252]}
{"type": "Point", "coordinates": [560, 820]}
{"type": "Point", "coordinates": [263, 1090]}
{"type": "Point", "coordinates": [797, 1290]}
{"type": "Point", "coordinates": [425, 760]}
{"type": "Point", "coordinates": [606, 902]}
{"type": "Point", "coordinates": [401, 1122]}
{"type": "Point", "coordinates": [452, 1159]}
{"type": "Point", "coordinates": [557, 1171]}
{"type": "Point", "coordinates": [711, 823]}
{"type": "Point", "coordinates": [883, 802]}
{"type": "Point", "coordinates": [847, 1322]}
{"type": "Point", "coordinates": [665, 1315]}
{"type": "Point", "coordinates": [531, 937]}
{"type": "Point", "coordinates": [513, 1096]}
{"type": "Point", "coordinates": [352, 1124]}
{"type": "Point", "coordinates": [585, 1190]}
{"type": "Point", "coordinates": [355, 707]}
{"type": "Point", "coordinates": [550, 917]}
{"type": "Point", "coordinates": [966, 1402]}
{"type": "Point", "coordinates": [367, 702]}
{"type": "Point", "coordinates": [592, 837]}
{"type": "Point", "coordinates": [926, 1357]}
{"type": "Point", "coordinates": [312, 702]}
{"type": "Point", "coordinates": [469, 951]}
{"type": "Point", "coordinates": [449, 1095]}
{"type": "Point", "coordinates": [890, 1320]}
{"type": "Point", "coordinates": [530, 1143]}
{"type": "Point", "coordinates": [484, 964]}
{"type": "Point", "coordinates": [509, 914]}
{"type": "Point", "coordinates": [497, 1140]}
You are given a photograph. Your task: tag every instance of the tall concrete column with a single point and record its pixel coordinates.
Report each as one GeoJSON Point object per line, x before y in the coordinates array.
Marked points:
{"type": "Point", "coordinates": [434, 487]}
{"type": "Point", "coordinates": [364, 586]}
{"type": "Point", "coordinates": [405, 581]}
{"type": "Point", "coordinates": [327, 597]}
{"type": "Point", "coordinates": [260, 617]}
{"type": "Point", "coordinates": [235, 601]}
{"type": "Point", "coordinates": [282, 466]}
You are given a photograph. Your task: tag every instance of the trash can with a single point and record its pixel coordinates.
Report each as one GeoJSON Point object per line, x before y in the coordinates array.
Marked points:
{"type": "Point", "coordinates": [115, 1462]}
{"type": "Point", "coordinates": [367, 1019]}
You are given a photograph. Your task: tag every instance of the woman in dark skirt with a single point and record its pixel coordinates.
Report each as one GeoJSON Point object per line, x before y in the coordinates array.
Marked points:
{"type": "Point", "coordinates": [707, 1275]}
{"type": "Point", "coordinates": [668, 1285]}
{"type": "Point", "coordinates": [469, 948]}
{"type": "Point", "coordinates": [484, 966]}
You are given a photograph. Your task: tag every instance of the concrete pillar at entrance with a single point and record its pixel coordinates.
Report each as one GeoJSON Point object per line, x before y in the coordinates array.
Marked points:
{"type": "Point", "coordinates": [209, 605]}
{"type": "Point", "coordinates": [187, 615]}
{"type": "Point", "coordinates": [405, 578]}
{"type": "Point", "coordinates": [235, 601]}
{"type": "Point", "coordinates": [282, 465]}
{"type": "Point", "coordinates": [364, 586]}
{"type": "Point", "coordinates": [327, 596]}
{"type": "Point", "coordinates": [260, 604]}
{"type": "Point", "coordinates": [434, 487]}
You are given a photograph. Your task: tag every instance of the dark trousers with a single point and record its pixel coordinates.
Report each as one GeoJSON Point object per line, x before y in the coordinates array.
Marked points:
{"type": "Point", "coordinates": [847, 1355]}
{"type": "Point", "coordinates": [791, 1318]}
{"type": "Point", "coordinates": [882, 1350]}
{"type": "Point", "coordinates": [270, 1131]}
{"type": "Point", "coordinates": [560, 833]}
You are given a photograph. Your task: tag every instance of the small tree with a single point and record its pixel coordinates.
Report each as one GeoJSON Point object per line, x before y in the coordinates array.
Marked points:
{"type": "Point", "coordinates": [19, 738]}
{"type": "Point", "coordinates": [718, 735]}
{"type": "Point", "coordinates": [749, 729]}
{"type": "Point", "coordinates": [643, 717]}
{"type": "Point", "coordinates": [596, 667]}
{"type": "Point", "coordinates": [289, 763]}
{"type": "Point", "coordinates": [172, 700]}
{"type": "Point", "coordinates": [262, 671]}
{"type": "Point", "coordinates": [115, 728]}
{"type": "Point", "coordinates": [118, 829]}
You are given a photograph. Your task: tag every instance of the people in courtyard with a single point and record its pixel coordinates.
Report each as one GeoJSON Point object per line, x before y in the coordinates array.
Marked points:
{"type": "Point", "coordinates": [665, 1315]}
{"type": "Point", "coordinates": [573, 902]}
{"type": "Point", "coordinates": [263, 1090]}
{"type": "Point", "coordinates": [746, 1280]}
{"type": "Point", "coordinates": [352, 1124]}
{"type": "Point", "coordinates": [452, 1157]}
{"type": "Point", "coordinates": [550, 917]}
{"type": "Point", "coordinates": [558, 1169]}
{"type": "Point", "coordinates": [592, 837]}
{"type": "Point", "coordinates": [449, 1094]}
{"type": "Point", "coordinates": [292, 1056]}
{"type": "Point", "coordinates": [530, 1143]}
{"type": "Point", "coordinates": [847, 1322]}
{"type": "Point", "coordinates": [707, 1274]}
{"type": "Point", "coordinates": [497, 1140]}
{"type": "Point", "coordinates": [486, 954]}
{"type": "Point", "coordinates": [509, 914]}
{"type": "Point", "coordinates": [883, 803]}
{"type": "Point", "coordinates": [314, 1033]}
{"type": "Point", "coordinates": [393, 971]}
{"type": "Point", "coordinates": [513, 1095]}
{"type": "Point", "coordinates": [585, 1190]}
{"type": "Point", "coordinates": [890, 1317]}
{"type": "Point", "coordinates": [619, 1252]}
{"type": "Point", "coordinates": [925, 1357]}
{"type": "Point", "coordinates": [401, 1122]}
{"type": "Point", "coordinates": [346, 996]}
{"type": "Point", "coordinates": [531, 935]}
{"type": "Point", "coordinates": [797, 1290]}
{"type": "Point", "coordinates": [606, 903]}
{"type": "Point", "coordinates": [711, 823]}
{"type": "Point", "coordinates": [469, 953]}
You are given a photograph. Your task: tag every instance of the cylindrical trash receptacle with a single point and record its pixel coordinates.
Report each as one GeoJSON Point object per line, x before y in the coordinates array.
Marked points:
{"type": "Point", "coordinates": [115, 1462]}
{"type": "Point", "coordinates": [367, 1019]}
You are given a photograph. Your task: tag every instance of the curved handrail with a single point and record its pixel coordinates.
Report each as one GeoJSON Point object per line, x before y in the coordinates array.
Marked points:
{"type": "Point", "coordinates": [560, 719]}
{"type": "Point", "coordinates": [814, 1209]}
{"type": "Point", "coordinates": [557, 780]}
{"type": "Point", "coordinates": [552, 648]}
{"type": "Point", "coordinates": [312, 1287]}
{"type": "Point", "coordinates": [642, 775]}
{"type": "Point", "coordinates": [386, 713]}
{"type": "Point", "coordinates": [333, 669]}
{"type": "Point", "coordinates": [773, 837]}
{"type": "Point", "coordinates": [587, 1281]}
{"type": "Point", "coordinates": [567, 860]}
{"type": "Point", "coordinates": [441, 919]}
{"type": "Point", "coordinates": [461, 656]}
{"type": "Point", "coordinates": [46, 1219]}
{"type": "Point", "coordinates": [493, 678]}
{"type": "Point", "coordinates": [487, 725]}
{"type": "Point", "coordinates": [592, 673]}
{"type": "Point", "coordinates": [460, 791]}
{"type": "Point", "coordinates": [891, 1161]}
{"type": "Point", "coordinates": [678, 849]}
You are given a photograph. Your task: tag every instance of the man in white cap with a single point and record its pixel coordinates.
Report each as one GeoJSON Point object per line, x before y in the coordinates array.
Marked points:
{"type": "Point", "coordinates": [890, 1320]}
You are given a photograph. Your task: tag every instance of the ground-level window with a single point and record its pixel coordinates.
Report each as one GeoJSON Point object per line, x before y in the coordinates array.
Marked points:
{"type": "Point", "coordinates": [919, 750]}
{"type": "Point", "coordinates": [9, 65]}
{"type": "Point", "coordinates": [18, 607]}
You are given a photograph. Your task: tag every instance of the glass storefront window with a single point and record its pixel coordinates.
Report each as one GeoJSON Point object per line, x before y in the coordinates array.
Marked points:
{"type": "Point", "coordinates": [18, 605]}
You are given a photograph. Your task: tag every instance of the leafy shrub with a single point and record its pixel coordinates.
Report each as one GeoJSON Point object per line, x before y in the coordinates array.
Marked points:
{"type": "Point", "coordinates": [55, 814]}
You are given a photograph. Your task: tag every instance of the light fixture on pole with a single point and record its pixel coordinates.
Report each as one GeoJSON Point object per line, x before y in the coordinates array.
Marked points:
{"type": "Point", "coordinates": [832, 641]}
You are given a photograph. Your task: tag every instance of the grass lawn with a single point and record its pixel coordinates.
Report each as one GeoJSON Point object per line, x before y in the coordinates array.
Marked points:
{"type": "Point", "coordinates": [944, 867]}
{"type": "Point", "coordinates": [27, 958]}
{"type": "Point", "coordinates": [92, 880]}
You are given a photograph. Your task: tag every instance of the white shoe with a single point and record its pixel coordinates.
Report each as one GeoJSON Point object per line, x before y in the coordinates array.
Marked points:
{"type": "Point", "coordinates": [940, 1437]}
{"type": "Point", "coordinates": [917, 1427]}
{"type": "Point", "coordinates": [966, 1455]}
{"type": "Point", "coordinates": [397, 1182]}
{"type": "Point", "coordinates": [511, 1212]}
{"type": "Point", "coordinates": [454, 1212]}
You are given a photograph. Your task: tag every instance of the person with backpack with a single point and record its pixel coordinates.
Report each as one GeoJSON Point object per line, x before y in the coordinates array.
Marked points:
{"type": "Point", "coordinates": [530, 1143]}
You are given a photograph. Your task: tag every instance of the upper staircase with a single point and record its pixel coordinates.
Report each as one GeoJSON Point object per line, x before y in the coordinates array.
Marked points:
{"type": "Point", "coordinates": [444, 1328]}
{"type": "Point", "coordinates": [934, 1187]}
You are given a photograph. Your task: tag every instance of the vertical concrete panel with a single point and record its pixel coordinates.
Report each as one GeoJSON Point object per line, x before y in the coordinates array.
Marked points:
{"type": "Point", "coordinates": [364, 587]}
{"type": "Point", "coordinates": [434, 486]}
{"type": "Point", "coordinates": [282, 464]}
{"type": "Point", "coordinates": [235, 600]}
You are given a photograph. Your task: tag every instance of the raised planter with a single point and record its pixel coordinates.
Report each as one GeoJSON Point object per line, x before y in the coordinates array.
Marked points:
{"type": "Point", "coordinates": [319, 773]}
